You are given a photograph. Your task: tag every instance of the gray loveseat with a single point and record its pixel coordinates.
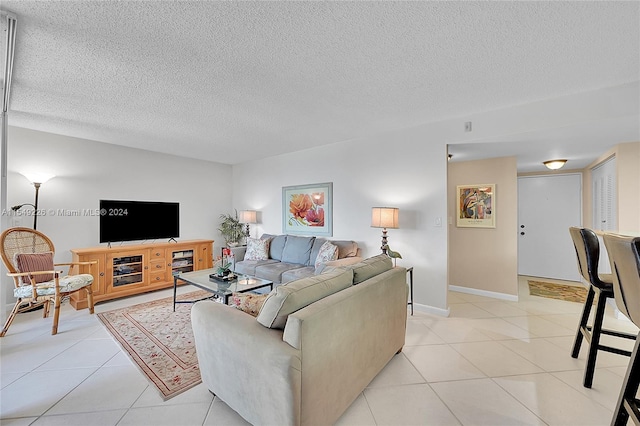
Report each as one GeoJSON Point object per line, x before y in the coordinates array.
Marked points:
{"type": "Point", "coordinates": [314, 347]}
{"type": "Point", "coordinates": [293, 257]}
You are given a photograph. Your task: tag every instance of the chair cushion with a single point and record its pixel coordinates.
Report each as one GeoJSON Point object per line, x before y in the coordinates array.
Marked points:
{"type": "Point", "coordinates": [257, 249]}
{"type": "Point", "coordinates": [293, 296]}
{"type": "Point", "coordinates": [34, 262]}
{"type": "Point", "coordinates": [68, 284]}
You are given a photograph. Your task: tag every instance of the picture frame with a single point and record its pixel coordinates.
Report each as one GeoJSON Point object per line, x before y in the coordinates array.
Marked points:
{"type": "Point", "coordinates": [476, 206]}
{"type": "Point", "coordinates": [308, 209]}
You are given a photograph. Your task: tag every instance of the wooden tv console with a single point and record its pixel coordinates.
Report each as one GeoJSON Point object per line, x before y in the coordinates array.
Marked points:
{"type": "Point", "coordinates": [133, 269]}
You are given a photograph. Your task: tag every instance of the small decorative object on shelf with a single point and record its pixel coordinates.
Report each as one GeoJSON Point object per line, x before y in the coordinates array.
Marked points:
{"type": "Point", "coordinates": [393, 254]}
{"type": "Point", "coordinates": [225, 279]}
{"type": "Point", "coordinates": [223, 267]}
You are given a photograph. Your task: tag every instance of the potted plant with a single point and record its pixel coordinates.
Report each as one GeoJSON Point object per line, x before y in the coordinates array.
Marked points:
{"type": "Point", "coordinates": [231, 229]}
{"type": "Point", "coordinates": [224, 268]}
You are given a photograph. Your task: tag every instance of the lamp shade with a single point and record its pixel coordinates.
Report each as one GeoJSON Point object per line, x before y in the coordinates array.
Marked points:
{"type": "Point", "coordinates": [248, 216]}
{"type": "Point", "coordinates": [384, 217]}
{"type": "Point", "coordinates": [37, 177]}
{"type": "Point", "coordinates": [554, 164]}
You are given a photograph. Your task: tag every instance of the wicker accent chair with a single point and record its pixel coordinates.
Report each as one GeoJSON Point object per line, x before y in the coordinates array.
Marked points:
{"type": "Point", "coordinates": [28, 256]}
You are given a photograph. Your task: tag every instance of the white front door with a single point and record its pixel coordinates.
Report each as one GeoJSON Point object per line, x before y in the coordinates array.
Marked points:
{"type": "Point", "coordinates": [547, 206]}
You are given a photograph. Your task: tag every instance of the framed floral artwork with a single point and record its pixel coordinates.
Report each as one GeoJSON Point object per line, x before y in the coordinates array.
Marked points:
{"type": "Point", "coordinates": [476, 206]}
{"type": "Point", "coordinates": [308, 209]}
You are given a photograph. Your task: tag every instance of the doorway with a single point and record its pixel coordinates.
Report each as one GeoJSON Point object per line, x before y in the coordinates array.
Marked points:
{"type": "Point", "coordinates": [547, 206]}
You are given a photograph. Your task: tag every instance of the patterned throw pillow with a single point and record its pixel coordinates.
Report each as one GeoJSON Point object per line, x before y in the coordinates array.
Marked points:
{"type": "Point", "coordinates": [248, 302]}
{"type": "Point", "coordinates": [34, 262]}
{"type": "Point", "coordinates": [327, 252]}
{"type": "Point", "coordinates": [257, 249]}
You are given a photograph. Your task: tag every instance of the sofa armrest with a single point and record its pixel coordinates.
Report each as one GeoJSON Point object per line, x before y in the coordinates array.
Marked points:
{"type": "Point", "coordinates": [246, 365]}
{"type": "Point", "coordinates": [347, 338]}
{"type": "Point", "coordinates": [344, 261]}
{"type": "Point", "coordinates": [238, 252]}
{"type": "Point", "coordinates": [337, 263]}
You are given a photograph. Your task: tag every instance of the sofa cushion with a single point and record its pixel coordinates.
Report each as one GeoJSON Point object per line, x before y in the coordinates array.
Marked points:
{"type": "Point", "coordinates": [327, 253]}
{"type": "Point", "coordinates": [317, 245]}
{"type": "Point", "coordinates": [257, 249]}
{"type": "Point", "coordinates": [248, 267]}
{"type": "Point", "coordinates": [297, 274]}
{"type": "Point", "coordinates": [297, 249]}
{"type": "Point", "coordinates": [370, 267]}
{"type": "Point", "coordinates": [276, 245]}
{"type": "Point", "coordinates": [293, 296]}
{"type": "Point", "coordinates": [248, 302]}
{"type": "Point", "coordinates": [273, 271]}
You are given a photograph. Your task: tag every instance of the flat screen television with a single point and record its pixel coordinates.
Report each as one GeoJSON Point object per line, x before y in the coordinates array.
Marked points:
{"type": "Point", "coordinates": [138, 220]}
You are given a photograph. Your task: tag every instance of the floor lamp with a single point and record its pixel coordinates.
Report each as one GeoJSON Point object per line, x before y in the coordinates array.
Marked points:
{"type": "Point", "coordinates": [384, 217]}
{"type": "Point", "coordinates": [37, 179]}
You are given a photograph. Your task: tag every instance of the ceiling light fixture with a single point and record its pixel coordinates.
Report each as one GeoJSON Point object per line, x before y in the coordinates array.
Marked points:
{"type": "Point", "coordinates": [554, 164]}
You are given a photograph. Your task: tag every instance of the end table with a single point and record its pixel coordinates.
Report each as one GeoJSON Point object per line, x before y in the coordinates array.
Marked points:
{"type": "Point", "coordinates": [410, 272]}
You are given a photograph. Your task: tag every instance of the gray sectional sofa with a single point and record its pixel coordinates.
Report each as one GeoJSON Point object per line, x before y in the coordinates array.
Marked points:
{"type": "Point", "coordinates": [314, 347]}
{"type": "Point", "coordinates": [293, 257]}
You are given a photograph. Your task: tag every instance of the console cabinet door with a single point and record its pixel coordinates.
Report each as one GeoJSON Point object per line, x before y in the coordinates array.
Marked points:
{"type": "Point", "coordinates": [127, 271]}
{"type": "Point", "coordinates": [204, 258]}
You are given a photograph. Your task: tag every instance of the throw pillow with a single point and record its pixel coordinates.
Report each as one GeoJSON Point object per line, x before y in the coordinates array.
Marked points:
{"type": "Point", "coordinates": [327, 253]}
{"type": "Point", "coordinates": [34, 262]}
{"type": "Point", "coordinates": [257, 249]}
{"type": "Point", "coordinates": [248, 302]}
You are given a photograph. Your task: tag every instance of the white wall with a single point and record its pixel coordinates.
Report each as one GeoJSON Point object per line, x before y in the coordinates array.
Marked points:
{"type": "Point", "coordinates": [407, 169]}
{"type": "Point", "coordinates": [399, 169]}
{"type": "Point", "coordinates": [87, 171]}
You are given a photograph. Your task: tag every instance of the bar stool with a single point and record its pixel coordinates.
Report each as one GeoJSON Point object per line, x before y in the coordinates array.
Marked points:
{"type": "Point", "coordinates": [624, 255]}
{"type": "Point", "coordinates": [587, 248]}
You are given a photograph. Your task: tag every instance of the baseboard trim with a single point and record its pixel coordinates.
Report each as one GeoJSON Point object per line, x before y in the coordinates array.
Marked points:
{"type": "Point", "coordinates": [484, 293]}
{"type": "Point", "coordinates": [432, 310]}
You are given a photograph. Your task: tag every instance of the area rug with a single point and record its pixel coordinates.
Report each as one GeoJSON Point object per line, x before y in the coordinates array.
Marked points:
{"type": "Point", "coordinates": [159, 341]}
{"type": "Point", "coordinates": [570, 293]}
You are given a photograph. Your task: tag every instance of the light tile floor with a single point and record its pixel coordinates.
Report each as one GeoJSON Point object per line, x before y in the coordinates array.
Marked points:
{"type": "Point", "coordinates": [492, 362]}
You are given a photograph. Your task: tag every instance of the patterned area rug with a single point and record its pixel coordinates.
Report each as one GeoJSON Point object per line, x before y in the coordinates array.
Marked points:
{"type": "Point", "coordinates": [159, 341]}
{"type": "Point", "coordinates": [569, 293]}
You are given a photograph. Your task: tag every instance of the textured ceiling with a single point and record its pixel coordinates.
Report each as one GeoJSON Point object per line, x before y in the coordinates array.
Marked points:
{"type": "Point", "coordinates": [235, 81]}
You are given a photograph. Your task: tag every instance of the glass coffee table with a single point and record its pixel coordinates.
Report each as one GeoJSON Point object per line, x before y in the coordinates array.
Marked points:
{"type": "Point", "coordinates": [220, 290]}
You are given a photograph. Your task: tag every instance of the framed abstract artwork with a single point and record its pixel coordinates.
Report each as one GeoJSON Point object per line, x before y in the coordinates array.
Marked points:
{"type": "Point", "coordinates": [476, 206]}
{"type": "Point", "coordinates": [308, 209]}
